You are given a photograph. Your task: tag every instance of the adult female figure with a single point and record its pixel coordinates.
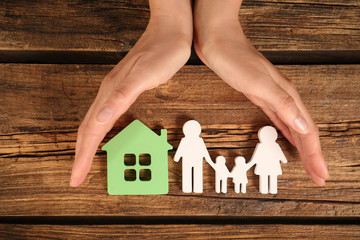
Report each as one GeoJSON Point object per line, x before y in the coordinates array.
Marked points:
{"type": "Point", "coordinates": [267, 157]}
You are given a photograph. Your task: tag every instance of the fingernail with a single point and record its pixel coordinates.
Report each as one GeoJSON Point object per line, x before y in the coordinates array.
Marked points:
{"type": "Point", "coordinates": [105, 114]}
{"type": "Point", "coordinates": [301, 125]}
{"type": "Point", "coordinates": [74, 182]}
{"type": "Point", "coordinates": [325, 172]}
{"type": "Point", "coordinates": [322, 182]}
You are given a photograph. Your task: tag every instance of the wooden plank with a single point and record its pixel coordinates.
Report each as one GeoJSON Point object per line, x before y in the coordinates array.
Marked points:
{"type": "Point", "coordinates": [301, 24]}
{"type": "Point", "coordinates": [103, 31]}
{"type": "Point", "coordinates": [272, 231]}
{"type": "Point", "coordinates": [42, 106]}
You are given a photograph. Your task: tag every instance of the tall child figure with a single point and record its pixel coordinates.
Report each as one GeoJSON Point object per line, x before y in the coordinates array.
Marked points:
{"type": "Point", "coordinates": [221, 174]}
{"type": "Point", "coordinates": [192, 150]}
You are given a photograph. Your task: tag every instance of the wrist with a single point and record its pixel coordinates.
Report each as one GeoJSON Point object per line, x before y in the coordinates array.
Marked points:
{"type": "Point", "coordinates": [207, 38]}
{"type": "Point", "coordinates": [218, 13]}
{"type": "Point", "coordinates": [172, 17]}
{"type": "Point", "coordinates": [217, 17]}
{"type": "Point", "coordinates": [175, 12]}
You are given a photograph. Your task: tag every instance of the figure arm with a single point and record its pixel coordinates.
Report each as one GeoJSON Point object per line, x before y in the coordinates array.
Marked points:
{"type": "Point", "coordinates": [178, 154]}
{"type": "Point", "coordinates": [248, 165]}
{"type": "Point", "coordinates": [209, 161]}
{"type": "Point", "coordinates": [229, 172]}
{"type": "Point", "coordinates": [206, 155]}
{"type": "Point", "coordinates": [254, 159]}
{"type": "Point", "coordinates": [281, 155]}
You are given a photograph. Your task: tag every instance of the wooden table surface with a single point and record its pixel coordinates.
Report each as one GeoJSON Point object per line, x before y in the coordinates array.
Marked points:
{"type": "Point", "coordinates": [53, 56]}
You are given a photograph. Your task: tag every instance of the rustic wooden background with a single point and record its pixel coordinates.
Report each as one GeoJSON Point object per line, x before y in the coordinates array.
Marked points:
{"type": "Point", "coordinates": [53, 56]}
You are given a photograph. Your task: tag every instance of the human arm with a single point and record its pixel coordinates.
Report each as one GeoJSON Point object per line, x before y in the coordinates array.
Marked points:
{"type": "Point", "coordinates": [221, 44]}
{"type": "Point", "coordinates": [161, 51]}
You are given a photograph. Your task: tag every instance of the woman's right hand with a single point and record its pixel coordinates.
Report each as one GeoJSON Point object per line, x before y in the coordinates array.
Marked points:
{"type": "Point", "coordinates": [161, 51]}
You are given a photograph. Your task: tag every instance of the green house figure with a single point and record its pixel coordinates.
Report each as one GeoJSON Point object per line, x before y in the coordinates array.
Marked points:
{"type": "Point", "coordinates": [137, 161]}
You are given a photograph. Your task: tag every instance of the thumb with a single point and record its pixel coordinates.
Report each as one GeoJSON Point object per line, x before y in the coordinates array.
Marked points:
{"type": "Point", "coordinates": [286, 108]}
{"type": "Point", "coordinates": [101, 117]}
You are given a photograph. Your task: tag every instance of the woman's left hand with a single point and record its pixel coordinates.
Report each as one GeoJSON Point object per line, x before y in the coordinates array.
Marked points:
{"type": "Point", "coordinates": [222, 46]}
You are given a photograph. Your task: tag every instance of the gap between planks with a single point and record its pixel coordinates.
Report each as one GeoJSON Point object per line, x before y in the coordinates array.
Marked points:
{"type": "Point", "coordinates": [174, 231]}
{"type": "Point", "coordinates": [112, 57]}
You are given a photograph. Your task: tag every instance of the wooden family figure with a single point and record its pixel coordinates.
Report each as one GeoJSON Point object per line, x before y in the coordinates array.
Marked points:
{"type": "Point", "coordinates": [267, 157]}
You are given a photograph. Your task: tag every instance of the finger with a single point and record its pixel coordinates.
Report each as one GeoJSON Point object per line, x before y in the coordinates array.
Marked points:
{"type": "Point", "coordinates": [102, 115]}
{"type": "Point", "coordinates": [285, 107]}
{"type": "Point", "coordinates": [75, 180]}
{"type": "Point", "coordinates": [84, 158]}
{"type": "Point", "coordinates": [309, 149]}
{"type": "Point", "coordinates": [120, 71]}
{"type": "Point", "coordinates": [315, 178]}
{"type": "Point", "coordinates": [309, 143]}
{"type": "Point", "coordinates": [310, 153]}
{"type": "Point", "coordinates": [312, 156]}
{"type": "Point", "coordinates": [80, 132]}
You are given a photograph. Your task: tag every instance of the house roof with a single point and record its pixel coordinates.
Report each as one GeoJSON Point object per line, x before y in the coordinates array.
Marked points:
{"type": "Point", "coordinates": [134, 131]}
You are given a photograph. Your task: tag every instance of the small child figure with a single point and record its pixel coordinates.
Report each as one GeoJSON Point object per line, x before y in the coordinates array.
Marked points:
{"type": "Point", "coordinates": [221, 174]}
{"type": "Point", "coordinates": [239, 176]}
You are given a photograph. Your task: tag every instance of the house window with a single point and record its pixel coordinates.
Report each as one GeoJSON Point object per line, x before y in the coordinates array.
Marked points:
{"type": "Point", "coordinates": [145, 175]}
{"type": "Point", "coordinates": [138, 167]}
{"type": "Point", "coordinates": [130, 175]}
{"type": "Point", "coordinates": [145, 159]}
{"type": "Point", "coordinates": [130, 159]}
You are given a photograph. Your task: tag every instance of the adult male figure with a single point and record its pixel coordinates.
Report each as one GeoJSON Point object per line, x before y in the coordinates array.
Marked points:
{"type": "Point", "coordinates": [192, 150]}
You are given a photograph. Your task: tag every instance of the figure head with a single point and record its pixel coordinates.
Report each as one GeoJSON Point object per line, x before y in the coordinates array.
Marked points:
{"type": "Point", "coordinates": [192, 129]}
{"type": "Point", "coordinates": [220, 159]}
{"type": "Point", "coordinates": [267, 134]}
{"type": "Point", "coordinates": [240, 161]}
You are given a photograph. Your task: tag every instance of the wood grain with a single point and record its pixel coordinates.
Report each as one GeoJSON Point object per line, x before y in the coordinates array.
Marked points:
{"type": "Point", "coordinates": [271, 231]}
{"type": "Point", "coordinates": [42, 106]}
{"type": "Point", "coordinates": [104, 31]}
